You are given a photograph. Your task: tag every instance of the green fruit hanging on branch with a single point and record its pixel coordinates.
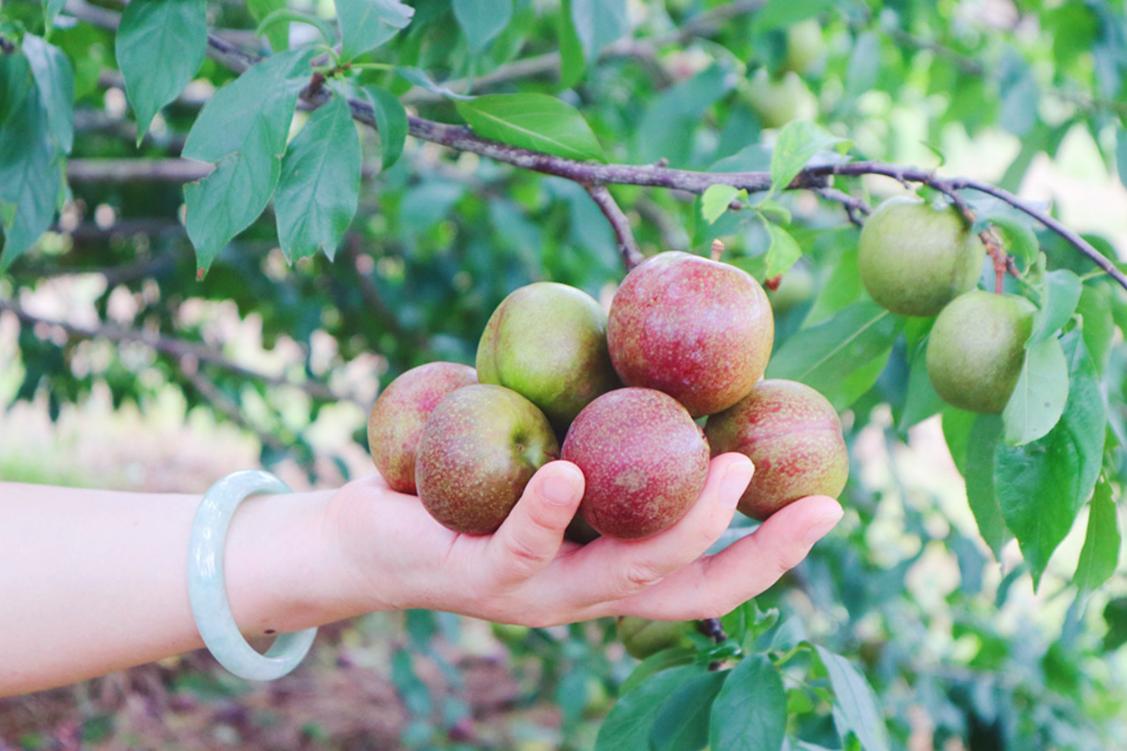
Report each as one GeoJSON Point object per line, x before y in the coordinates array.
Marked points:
{"type": "Point", "coordinates": [793, 436]}
{"type": "Point", "coordinates": [915, 258]}
{"type": "Point", "coordinates": [804, 45]}
{"type": "Point", "coordinates": [777, 101]}
{"type": "Point", "coordinates": [547, 342]}
{"type": "Point", "coordinates": [396, 422]}
{"type": "Point", "coordinates": [479, 448]}
{"type": "Point", "coordinates": [643, 637]}
{"type": "Point", "coordinates": [976, 348]}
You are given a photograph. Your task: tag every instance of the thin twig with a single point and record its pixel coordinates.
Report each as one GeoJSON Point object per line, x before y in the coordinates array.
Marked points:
{"type": "Point", "coordinates": [855, 208]}
{"type": "Point", "coordinates": [226, 405]}
{"type": "Point", "coordinates": [175, 348]}
{"type": "Point", "coordinates": [619, 222]}
{"type": "Point", "coordinates": [590, 173]}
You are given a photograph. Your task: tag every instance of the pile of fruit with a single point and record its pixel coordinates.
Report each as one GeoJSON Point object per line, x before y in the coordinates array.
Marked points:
{"type": "Point", "coordinates": [623, 395]}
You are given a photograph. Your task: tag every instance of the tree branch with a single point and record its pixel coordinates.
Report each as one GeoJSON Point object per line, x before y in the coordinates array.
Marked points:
{"type": "Point", "coordinates": [590, 173]}
{"type": "Point", "coordinates": [136, 170]}
{"type": "Point", "coordinates": [619, 222]}
{"type": "Point", "coordinates": [178, 349]}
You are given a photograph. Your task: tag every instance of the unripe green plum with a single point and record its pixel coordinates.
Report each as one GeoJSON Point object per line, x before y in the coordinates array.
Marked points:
{"type": "Point", "coordinates": [792, 435]}
{"type": "Point", "coordinates": [976, 348]}
{"type": "Point", "coordinates": [396, 421]}
{"type": "Point", "coordinates": [699, 330]}
{"type": "Point", "coordinates": [548, 343]}
{"type": "Point", "coordinates": [479, 448]}
{"type": "Point", "coordinates": [804, 45]}
{"type": "Point", "coordinates": [643, 637]}
{"type": "Point", "coordinates": [644, 460]}
{"type": "Point", "coordinates": [778, 101]}
{"type": "Point", "coordinates": [914, 258]}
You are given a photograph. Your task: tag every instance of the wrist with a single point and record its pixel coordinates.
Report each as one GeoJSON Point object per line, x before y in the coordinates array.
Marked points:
{"type": "Point", "coordinates": [284, 570]}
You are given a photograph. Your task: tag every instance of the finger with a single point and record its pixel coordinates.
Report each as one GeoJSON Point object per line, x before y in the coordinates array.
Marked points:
{"type": "Point", "coordinates": [531, 536]}
{"type": "Point", "coordinates": [716, 584]}
{"type": "Point", "coordinates": [610, 569]}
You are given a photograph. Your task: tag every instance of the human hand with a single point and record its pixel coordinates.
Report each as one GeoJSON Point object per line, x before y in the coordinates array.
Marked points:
{"type": "Point", "coordinates": [526, 573]}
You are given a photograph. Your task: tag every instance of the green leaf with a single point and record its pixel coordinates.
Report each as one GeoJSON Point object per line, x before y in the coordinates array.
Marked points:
{"type": "Point", "coordinates": [798, 142]}
{"type": "Point", "coordinates": [777, 14]}
{"type": "Point", "coordinates": [1059, 296]}
{"type": "Point", "coordinates": [242, 130]}
{"type": "Point", "coordinates": [30, 179]}
{"type": "Point", "coordinates": [921, 401]}
{"type": "Point", "coordinates": [366, 24]}
{"type": "Point", "coordinates": [1038, 398]}
{"type": "Point", "coordinates": [1100, 555]}
{"type": "Point", "coordinates": [282, 17]}
{"type": "Point", "coordinates": [682, 723]}
{"type": "Point", "coordinates": [320, 183]}
{"type": "Point", "coordinates": [716, 199]}
{"type": "Point", "coordinates": [51, 9]}
{"type": "Point", "coordinates": [597, 23]}
{"type": "Point", "coordinates": [856, 708]}
{"type": "Point", "coordinates": [532, 121]}
{"type": "Point", "coordinates": [750, 712]}
{"type": "Point", "coordinates": [481, 20]}
{"type": "Point", "coordinates": [420, 78]}
{"type": "Point", "coordinates": [1018, 92]}
{"type": "Point", "coordinates": [672, 118]}
{"type": "Point", "coordinates": [1098, 325]}
{"type": "Point", "coordinates": [278, 35]}
{"type": "Point", "coordinates": [655, 663]}
{"type": "Point", "coordinates": [55, 79]}
{"type": "Point", "coordinates": [391, 122]}
{"type": "Point", "coordinates": [1121, 154]}
{"type": "Point", "coordinates": [1042, 485]}
{"type": "Point", "coordinates": [982, 445]}
{"type": "Point", "coordinates": [572, 63]}
{"type": "Point", "coordinates": [159, 47]}
{"type": "Point", "coordinates": [782, 252]}
{"type": "Point", "coordinates": [1019, 239]}
{"type": "Point", "coordinates": [841, 357]}
{"type": "Point", "coordinates": [957, 424]}
{"type": "Point", "coordinates": [864, 64]}
{"type": "Point", "coordinates": [843, 288]}
{"type": "Point", "coordinates": [628, 726]}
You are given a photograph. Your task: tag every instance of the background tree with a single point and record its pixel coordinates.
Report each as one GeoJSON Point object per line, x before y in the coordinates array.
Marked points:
{"type": "Point", "coordinates": [190, 159]}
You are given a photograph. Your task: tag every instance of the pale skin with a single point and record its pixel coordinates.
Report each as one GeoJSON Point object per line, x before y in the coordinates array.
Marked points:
{"type": "Point", "coordinates": [96, 581]}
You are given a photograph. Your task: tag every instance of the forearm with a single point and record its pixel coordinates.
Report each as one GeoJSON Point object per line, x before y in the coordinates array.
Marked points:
{"type": "Point", "coordinates": [94, 581]}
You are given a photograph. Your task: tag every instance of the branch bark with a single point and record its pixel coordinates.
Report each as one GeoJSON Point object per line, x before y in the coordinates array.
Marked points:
{"type": "Point", "coordinates": [619, 222]}
{"type": "Point", "coordinates": [589, 173]}
{"type": "Point", "coordinates": [178, 349]}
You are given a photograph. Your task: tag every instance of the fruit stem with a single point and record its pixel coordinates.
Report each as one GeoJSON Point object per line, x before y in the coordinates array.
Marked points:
{"type": "Point", "coordinates": [717, 249]}
{"type": "Point", "coordinates": [712, 628]}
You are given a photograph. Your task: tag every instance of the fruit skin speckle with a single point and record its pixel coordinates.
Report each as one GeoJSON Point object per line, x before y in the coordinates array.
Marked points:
{"type": "Point", "coordinates": [644, 459]}
{"type": "Point", "coordinates": [479, 448]}
{"type": "Point", "coordinates": [793, 436]}
{"type": "Point", "coordinates": [396, 421]}
{"type": "Point", "coordinates": [699, 330]}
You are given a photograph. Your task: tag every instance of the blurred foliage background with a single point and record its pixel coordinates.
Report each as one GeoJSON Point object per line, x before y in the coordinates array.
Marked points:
{"type": "Point", "coordinates": [122, 370]}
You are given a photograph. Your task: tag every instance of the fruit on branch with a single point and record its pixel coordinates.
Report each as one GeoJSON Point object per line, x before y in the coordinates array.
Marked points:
{"type": "Point", "coordinates": [795, 288]}
{"type": "Point", "coordinates": [976, 348]}
{"type": "Point", "coordinates": [804, 45]}
{"type": "Point", "coordinates": [547, 342]}
{"type": "Point", "coordinates": [643, 637]}
{"type": "Point", "coordinates": [793, 436]}
{"type": "Point", "coordinates": [479, 448]}
{"type": "Point", "coordinates": [644, 459]}
{"type": "Point", "coordinates": [699, 330]}
{"type": "Point", "coordinates": [396, 421]}
{"type": "Point", "coordinates": [915, 258]}
{"type": "Point", "coordinates": [778, 101]}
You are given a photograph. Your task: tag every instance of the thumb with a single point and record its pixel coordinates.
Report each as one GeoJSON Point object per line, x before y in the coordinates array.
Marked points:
{"type": "Point", "coordinates": [532, 534]}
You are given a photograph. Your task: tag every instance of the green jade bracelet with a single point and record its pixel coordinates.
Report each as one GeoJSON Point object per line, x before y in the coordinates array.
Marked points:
{"type": "Point", "coordinates": [208, 594]}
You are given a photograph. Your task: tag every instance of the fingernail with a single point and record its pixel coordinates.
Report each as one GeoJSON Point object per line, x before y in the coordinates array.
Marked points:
{"type": "Point", "coordinates": [822, 522]}
{"type": "Point", "coordinates": [736, 480]}
{"type": "Point", "coordinates": [560, 487]}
